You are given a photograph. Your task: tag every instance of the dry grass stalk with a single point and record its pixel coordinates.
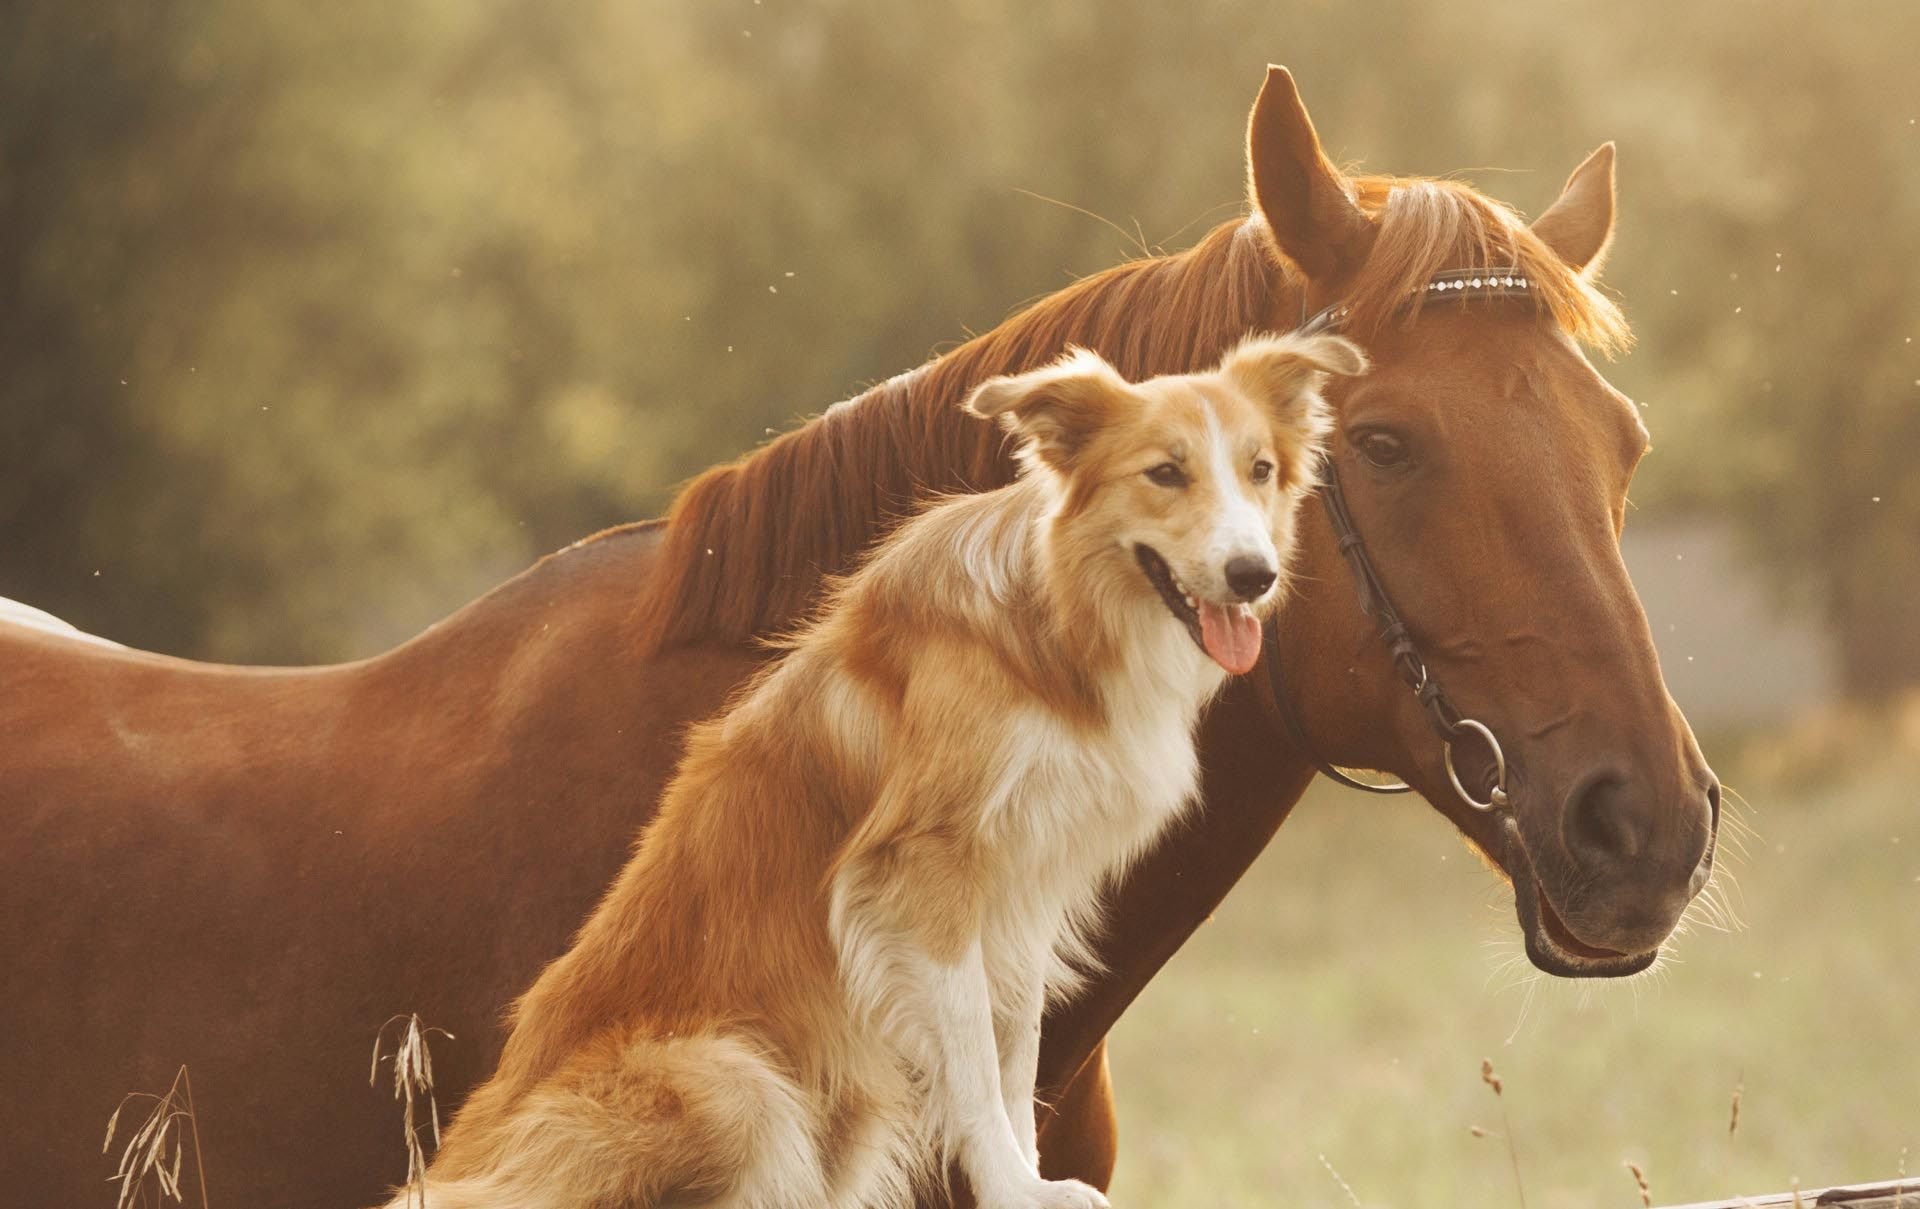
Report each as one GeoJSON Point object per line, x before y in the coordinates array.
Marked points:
{"type": "Point", "coordinates": [153, 1155]}
{"type": "Point", "coordinates": [1640, 1178]}
{"type": "Point", "coordinates": [412, 1083]}
{"type": "Point", "coordinates": [1491, 1078]}
{"type": "Point", "coordinates": [1341, 1180]}
{"type": "Point", "coordinates": [1733, 1126]}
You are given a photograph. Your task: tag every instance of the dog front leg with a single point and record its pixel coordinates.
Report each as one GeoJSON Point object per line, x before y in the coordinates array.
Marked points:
{"type": "Point", "coordinates": [1020, 1000]}
{"type": "Point", "coordinates": [961, 1059]}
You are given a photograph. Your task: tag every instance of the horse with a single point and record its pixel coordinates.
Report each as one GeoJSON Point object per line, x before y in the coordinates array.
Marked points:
{"type": "Point", "coordinates": [246, 870]}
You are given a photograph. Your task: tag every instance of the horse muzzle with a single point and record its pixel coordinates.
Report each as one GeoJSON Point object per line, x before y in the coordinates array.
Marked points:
{"type": "Point", "coordinates": [1606, 887]}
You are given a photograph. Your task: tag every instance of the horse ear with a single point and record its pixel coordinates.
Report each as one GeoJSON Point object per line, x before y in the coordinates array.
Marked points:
{"type": "Point", "coordinates": [1285, 374]}
{"type": "Point", "coordinates": [1303, 197]}
{"type": "Point", "coordinates": [1054, 411]}
{"type": "Point", "coordinates": [1579, 226]}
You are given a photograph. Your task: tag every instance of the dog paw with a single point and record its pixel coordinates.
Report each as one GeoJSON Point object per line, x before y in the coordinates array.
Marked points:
{"type": "Point", "coordinates": [1052, 1194]}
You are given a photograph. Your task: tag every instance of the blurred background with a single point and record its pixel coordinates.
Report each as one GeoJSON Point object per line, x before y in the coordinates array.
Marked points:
{"type": "Point", "coordinates": [318, 320]}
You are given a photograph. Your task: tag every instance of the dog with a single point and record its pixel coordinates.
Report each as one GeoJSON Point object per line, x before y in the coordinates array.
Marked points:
{"type": "Point", "coordinates": [819, 980]}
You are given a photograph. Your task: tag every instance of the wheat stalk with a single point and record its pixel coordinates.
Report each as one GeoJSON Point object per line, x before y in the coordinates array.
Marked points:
{"type": "Point", "coordinates": [1640, 1178]}
{"type": "Point", "coordinates": [412, 1082]}
{"type": "Point", "coordinates": [147, 1152]}
{"type": "Point", "coordinates": [1733, 1125]}
{"type": "Point", "coordinates": [1492, 1079]}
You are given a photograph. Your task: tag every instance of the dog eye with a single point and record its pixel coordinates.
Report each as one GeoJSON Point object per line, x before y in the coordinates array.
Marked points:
{"type": "Point", "coordinates": [1166, 474]}
{"type": "Point", "coordinates": [1262, 470]}
{"type": "Point", "coordinates": [1383, 449]}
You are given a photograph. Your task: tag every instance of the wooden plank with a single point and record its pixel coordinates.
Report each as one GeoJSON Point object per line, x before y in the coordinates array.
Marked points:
{"type": "Point", "coordinates": [1886, 1194]}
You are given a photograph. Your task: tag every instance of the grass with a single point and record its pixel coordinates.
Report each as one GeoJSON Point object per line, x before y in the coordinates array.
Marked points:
{"type": "Point", "coordinates": [149, 1168]}
{"type": "Point", "coordinates": [412, 1062]}
{"type": "Point", "coordinates": [1335, 1013]}
{"type": "Point", "coordinates": [148, 1172]}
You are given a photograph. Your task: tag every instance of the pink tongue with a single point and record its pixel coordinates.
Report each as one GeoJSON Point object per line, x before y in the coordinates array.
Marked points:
{"type": "Point", "coordinates": [1231, 636]}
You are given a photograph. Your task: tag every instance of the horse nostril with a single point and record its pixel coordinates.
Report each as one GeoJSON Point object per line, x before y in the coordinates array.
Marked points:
{"type": "Point", "coordinates": [1602, 824]}
{"type": "Point", "coordinates": [1249, 576]}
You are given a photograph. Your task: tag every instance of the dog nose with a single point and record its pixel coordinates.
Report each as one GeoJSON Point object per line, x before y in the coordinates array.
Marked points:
{"type": "Point", "coordinates": [1249, 576]}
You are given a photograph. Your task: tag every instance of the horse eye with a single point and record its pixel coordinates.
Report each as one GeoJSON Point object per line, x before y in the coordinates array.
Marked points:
{"type": "Point", "coordinates": [1166, 474]}
{"type": "Point", "coordinates": [1262, 470]}
{"type": "Point", "coordinates": [1383, 449]}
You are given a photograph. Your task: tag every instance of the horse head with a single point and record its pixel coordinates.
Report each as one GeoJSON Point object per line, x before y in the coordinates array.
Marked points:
{"type": "Point", "coordinates": [1485, 464]}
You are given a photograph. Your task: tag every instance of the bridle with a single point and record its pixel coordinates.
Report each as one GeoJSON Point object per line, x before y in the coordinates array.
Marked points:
{"type": "Point", "coordinates": [1448, 723]}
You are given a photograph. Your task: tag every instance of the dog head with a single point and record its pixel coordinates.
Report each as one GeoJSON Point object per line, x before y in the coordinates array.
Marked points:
{"type": "Point", "coordinates": [1191, 481]}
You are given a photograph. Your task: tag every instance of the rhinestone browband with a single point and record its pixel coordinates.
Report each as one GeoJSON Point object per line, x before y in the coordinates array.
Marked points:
{"type": "Point", "coordinates": [1488, 282]}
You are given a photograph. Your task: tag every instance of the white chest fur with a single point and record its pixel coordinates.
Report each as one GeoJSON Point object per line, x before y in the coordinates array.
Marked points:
{"type": "Point", "coordinates": [1075, 805]}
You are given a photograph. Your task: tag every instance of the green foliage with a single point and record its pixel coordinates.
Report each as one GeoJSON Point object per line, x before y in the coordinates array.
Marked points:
{"type": "Point", "coordinates": [1771, 270]}
{"type": "Point", "coordinates": [318, 319]}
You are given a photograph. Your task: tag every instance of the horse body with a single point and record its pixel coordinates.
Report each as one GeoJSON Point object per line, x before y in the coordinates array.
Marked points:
{"type": "Point", "coordinates": [248, 871]}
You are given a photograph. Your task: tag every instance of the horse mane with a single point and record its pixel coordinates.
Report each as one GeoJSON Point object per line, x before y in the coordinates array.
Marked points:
{"type": "Point", "coordinates": [747, 544]}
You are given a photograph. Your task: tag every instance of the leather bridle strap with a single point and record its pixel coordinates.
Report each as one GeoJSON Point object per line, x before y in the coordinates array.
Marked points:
{"type": "Point", "coordinates": [1368, 585]}
{"type": "Point", "coordinates": [1448, 723]}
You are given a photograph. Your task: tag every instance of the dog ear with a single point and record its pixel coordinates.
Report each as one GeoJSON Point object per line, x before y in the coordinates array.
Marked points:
{"type": "Point", "coordinates": [1054, 411]}
{"type": "Point", "coordinates": [1284, 374]}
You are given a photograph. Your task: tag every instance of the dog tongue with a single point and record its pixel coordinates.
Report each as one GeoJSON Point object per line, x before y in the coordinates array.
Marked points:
{"type": "Point", "coordinates": [1231, 635]}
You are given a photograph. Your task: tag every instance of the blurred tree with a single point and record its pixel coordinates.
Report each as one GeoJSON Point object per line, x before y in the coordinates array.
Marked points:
{"type": "Point", "coordinates": [1778, 318]}
{"type": "Point", "coordinates": [78, 94]}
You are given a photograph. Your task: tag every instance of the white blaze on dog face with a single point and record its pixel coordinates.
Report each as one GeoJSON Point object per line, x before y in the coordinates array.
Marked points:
{"type": "Point", "coordinates": [1193, 478]}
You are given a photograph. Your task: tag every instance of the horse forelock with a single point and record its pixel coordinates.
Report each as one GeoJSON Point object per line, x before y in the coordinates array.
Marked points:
{"type": "Point", "coordinates": [747, 544]}
{"type": "Point", "coordinates": [1424, 227]}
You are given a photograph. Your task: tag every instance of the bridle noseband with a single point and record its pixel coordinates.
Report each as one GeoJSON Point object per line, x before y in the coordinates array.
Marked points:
{"type": "Point", "coordinates": [1448, 723]}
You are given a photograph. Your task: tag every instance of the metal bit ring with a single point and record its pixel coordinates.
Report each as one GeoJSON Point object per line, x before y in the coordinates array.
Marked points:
{"type": "Point", "coordinates": [1497, 800]}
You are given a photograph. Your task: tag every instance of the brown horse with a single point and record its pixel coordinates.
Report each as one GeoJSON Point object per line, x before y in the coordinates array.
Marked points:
{"type": "Point", "coordinates": [246, 871]}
